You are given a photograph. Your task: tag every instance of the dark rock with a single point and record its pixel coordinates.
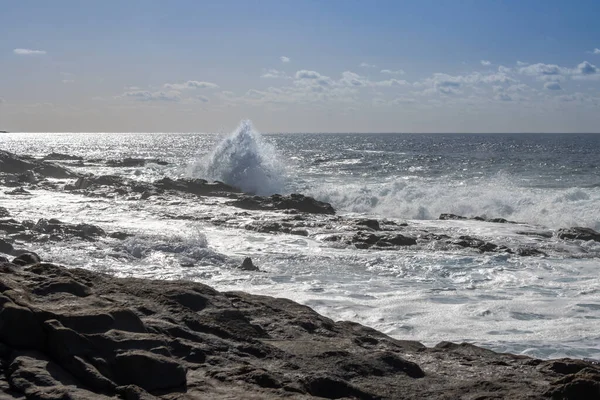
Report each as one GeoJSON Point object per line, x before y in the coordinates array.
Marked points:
{"type": "Point", "coordinates": [529, 252]}
{"type": "Point", "coordinates": [149, 371]}
{"type": "Point", "coordinates": [451, 217]}
{"type": "Point", "coordinates": [19, 328]}
{"type": "Point", "coordinates": [62, 157]}
{"type": "Point", "coordinates": [248, 265]}
{"type": "Point", "coordinates": [296, 202]}
{"type": "Point", "coordinates": [11, 226]}
{"type": "Point", "coordinates": [364, 240]}
{"type": "Point", "coordinates": [178, 339]}
{"type": "Point", "coordinates": [14, 164]}
{"type": "Point", "coordinates": [5, 247]}
{"type": "Point", "coordinates": [135, 162]}
{"type": "Point", "coordinates": [4, 212]}
{"type": "Point", "coordinates": [481, 245]}
{"type": "Point", "coordinates": [579, 233]}
{"type": "Point", "coordinates": [19, 192]}
{"type": "Point", "coordinates": [199, 187]}
{"type": "Point", "coordinates": [369, 223]}
{"type": "Point", "coordinates": [27, 259]}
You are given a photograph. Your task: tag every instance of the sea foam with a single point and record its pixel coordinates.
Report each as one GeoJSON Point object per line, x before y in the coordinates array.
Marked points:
{"type": "Point", "coordinates": [244, 160]}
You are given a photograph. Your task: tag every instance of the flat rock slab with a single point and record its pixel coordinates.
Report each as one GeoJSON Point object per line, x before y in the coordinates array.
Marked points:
{"type": "Point", "coordinates": [71, 333]}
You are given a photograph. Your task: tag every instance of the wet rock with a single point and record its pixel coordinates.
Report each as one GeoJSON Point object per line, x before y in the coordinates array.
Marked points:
{"type": "Point", "coordinates": [27, 259]}
{"type": "Point", "coordinates": [483, 219]}
{"type": "Point", "coordinates": [248, 265]}
{"type": "Point", "coordinates": [11, 226]}
{"type": "Point", "coordinates": [365, 240]}
{"type": "Point", "coordinates": [14, 164]}
{"type": "Point", "coordinates": [299, 231]}
{"type": "Point", "coordinates": [199, 187]}
{"type": "Point", "coordinates": [5, 247]}
{"type": "Point", "coordinates": [369, 223]}
{"type": "Point", "coordinates": [56, 227]}
{"type": "Point", "coordinates": [19, 192]}
{"type": "Point", "coordinates": [481, 245]}
{"type": "Point", "coordinates": [529, 252]}
{"type": "Point", "coordinates": [135, 162]}
{"type": "Point", "coordinates": [62, 157]}
{"type": "Point", "coordinates": [4, 212]}
{"type": "Point", "coordinates": [579, 233]}
{"type": "Point", "coordinates": [451, 217]}
{"type": "Point", "coordinates": [297, 202]}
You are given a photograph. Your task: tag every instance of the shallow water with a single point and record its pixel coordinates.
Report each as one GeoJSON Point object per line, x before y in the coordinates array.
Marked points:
{"type": "Point", "coordinates": [541, 306]}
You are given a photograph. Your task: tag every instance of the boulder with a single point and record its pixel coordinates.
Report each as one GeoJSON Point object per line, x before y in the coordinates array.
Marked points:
{"type": "Point", "coordinates": [248, 265]}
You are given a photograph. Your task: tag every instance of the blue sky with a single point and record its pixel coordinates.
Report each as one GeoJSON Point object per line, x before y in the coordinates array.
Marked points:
{"type": "Point", "coordinates": [300, 66]}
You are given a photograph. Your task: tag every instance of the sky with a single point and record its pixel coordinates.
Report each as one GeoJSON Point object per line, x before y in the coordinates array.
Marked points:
{"type": "Point", "coordinates": [300, 66]}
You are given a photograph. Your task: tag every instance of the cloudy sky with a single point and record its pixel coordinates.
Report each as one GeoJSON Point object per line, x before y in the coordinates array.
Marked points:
{"type": "Point", "coordinates": [300, 66]}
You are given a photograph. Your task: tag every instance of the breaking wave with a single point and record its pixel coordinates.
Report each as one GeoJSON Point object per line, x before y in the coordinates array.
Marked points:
{"type": "Point", "coordinates": [498, 197]}
{"type": "Point", "coordinates": [244, 160]}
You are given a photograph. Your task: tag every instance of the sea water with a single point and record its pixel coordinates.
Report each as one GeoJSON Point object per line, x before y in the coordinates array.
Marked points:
{"type": "Point", "coordinates": [541, 306]}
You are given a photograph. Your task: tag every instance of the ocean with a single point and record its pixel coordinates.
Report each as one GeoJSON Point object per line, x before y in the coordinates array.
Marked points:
{"type": "Point", "coordinates": [544, 306]}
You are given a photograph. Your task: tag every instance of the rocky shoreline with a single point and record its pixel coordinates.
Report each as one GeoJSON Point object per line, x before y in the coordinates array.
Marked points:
{"type": "Point", "coordinates": [76, 334]}
{"type": "Point", "coordinates": [69, 333]}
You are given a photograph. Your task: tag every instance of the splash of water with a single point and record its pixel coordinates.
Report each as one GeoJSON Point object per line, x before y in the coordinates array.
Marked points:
{"type": "Point", "coordinates": [244, 160]}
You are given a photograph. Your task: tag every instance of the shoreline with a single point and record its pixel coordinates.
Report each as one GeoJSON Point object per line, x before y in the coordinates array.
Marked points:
{"type": "Point", "coordinates": [81, 334]}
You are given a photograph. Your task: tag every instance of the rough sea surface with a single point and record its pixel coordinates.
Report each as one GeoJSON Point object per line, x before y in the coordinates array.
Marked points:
{"type": "Point", "coordinates": [541, 306]}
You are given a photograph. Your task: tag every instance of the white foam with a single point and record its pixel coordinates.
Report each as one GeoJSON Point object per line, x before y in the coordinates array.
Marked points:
{"type": "Point", "coordinates": [494, 197]}
{"type": "Point", "coordinates": [244, 160]}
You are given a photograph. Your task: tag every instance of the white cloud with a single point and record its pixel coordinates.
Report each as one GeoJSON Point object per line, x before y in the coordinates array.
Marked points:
{"type": "Point", "coordinates": [306, 74]}
{"type": "Point", "coordinates": [486, 63]}
{"type": "Point", "coordinates": [392, 72]}
{"type": "Point", "coordinates": [191, 85]}
{"type": "Point", "coordinates": [585, 68]}
{"type": "Point", "coordinates": [522, 64]}
{"type": "Point", "coordinates": [2, 100]}
{"type": "Point", "coordinates": [389, 83]}
{"type": "Point", "coordinates": [545, 72]}
{"type": "Point", "coordinates": [29, 52]}
{"type": "Point", "coordinates": [596, 51]}
{"type": "Point", "coordinates": [552, 86]}
{"type": "Point", "coordinates": [274, 74]}
{"type": "Point", "coordinates": [367, 65]}
{"type": "Point", "coordinates": [285, 59]}
{"type": "Point", "coordinates": [503, 97]}
{"type": "Point", "coordinates": [145, 95]}
{"type": "Point", "coordinates": [203, 99]}
{"type": "Point", "coordinates": [68, 81]}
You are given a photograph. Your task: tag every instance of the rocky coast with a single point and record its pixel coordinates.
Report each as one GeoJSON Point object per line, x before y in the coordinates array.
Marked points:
{"type": "Point", "coordinates": [72, 333]}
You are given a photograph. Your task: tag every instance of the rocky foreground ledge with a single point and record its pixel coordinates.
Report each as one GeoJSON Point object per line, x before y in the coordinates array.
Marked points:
{"type": "Point", "coordinates": [75, 334]}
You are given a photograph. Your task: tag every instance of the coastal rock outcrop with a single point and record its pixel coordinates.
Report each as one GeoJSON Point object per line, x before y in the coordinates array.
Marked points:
{"type": "Point", "coordinates": [579, 233]}
{"type": "Point", "coordinates": [72, 333]}
{"type": "Point", "coordinates": [13, 164]}
{"type": "Point", "coordinates": [297, 202]}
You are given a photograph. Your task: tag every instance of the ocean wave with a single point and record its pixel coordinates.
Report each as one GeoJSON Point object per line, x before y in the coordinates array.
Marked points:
{"type": "Point", "coordinates": [493, 197]}
{"type": "Point", "coordinates": [244, 160]}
